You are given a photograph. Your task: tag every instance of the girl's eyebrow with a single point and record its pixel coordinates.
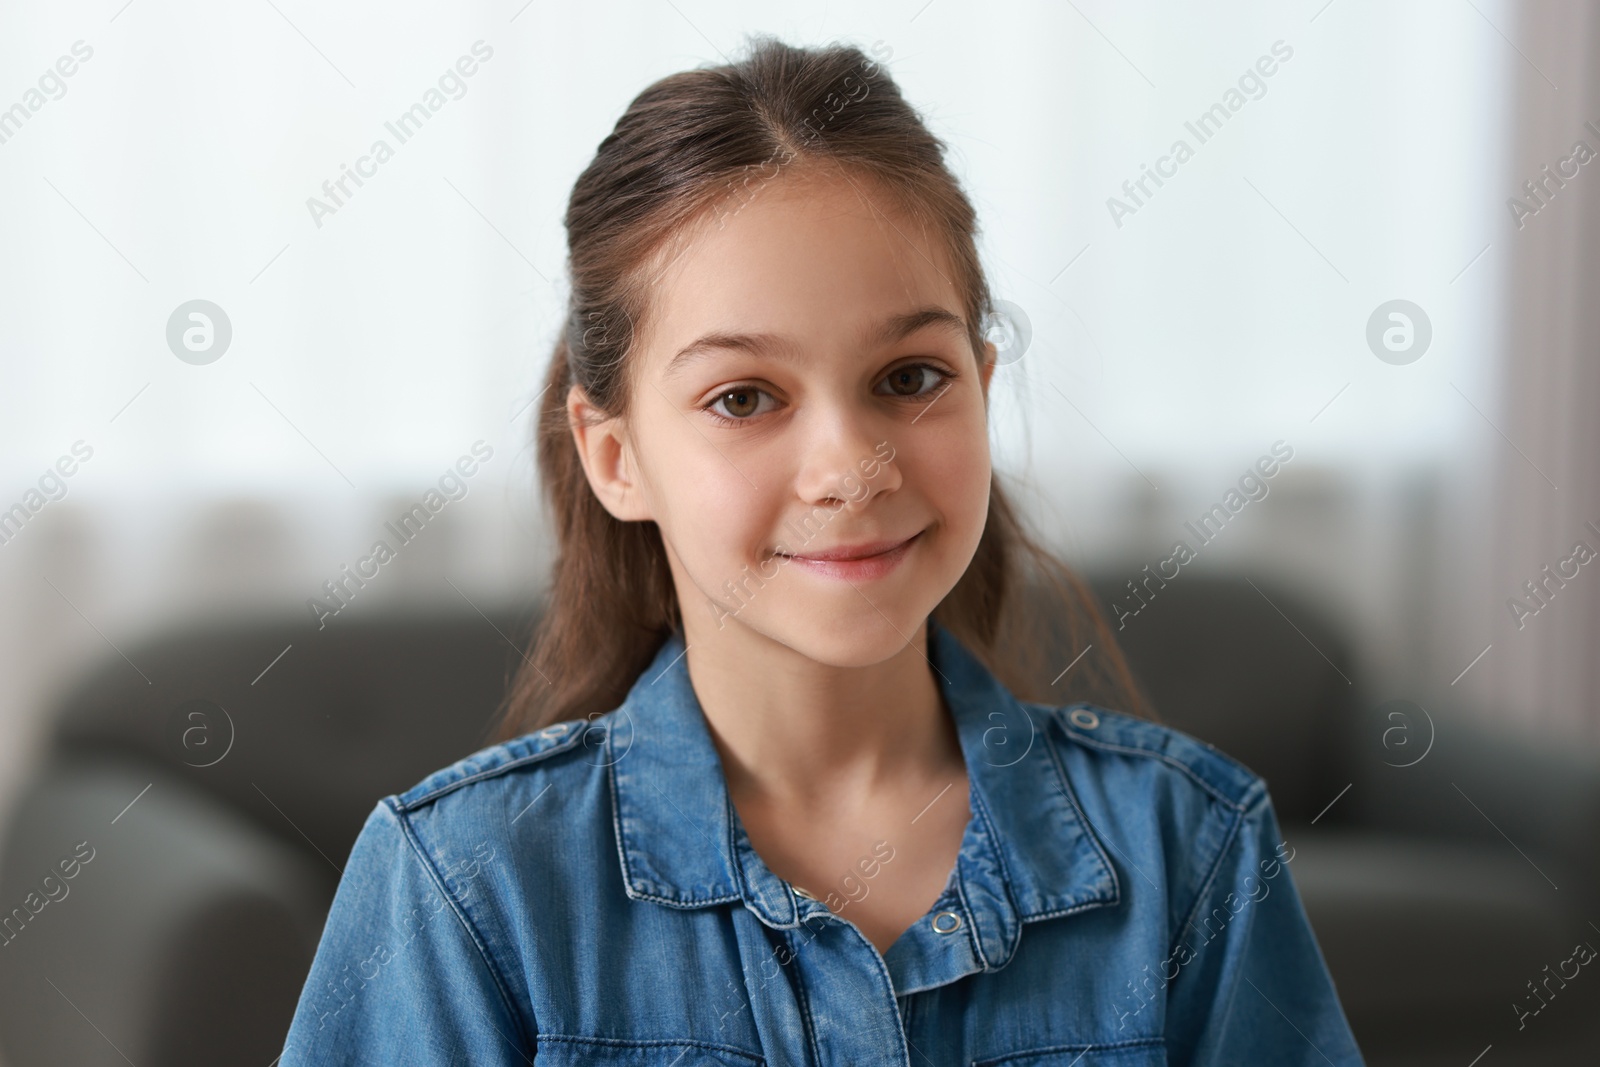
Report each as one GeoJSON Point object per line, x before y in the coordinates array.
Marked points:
{"type": "Point", "coordinates": [776, 346]}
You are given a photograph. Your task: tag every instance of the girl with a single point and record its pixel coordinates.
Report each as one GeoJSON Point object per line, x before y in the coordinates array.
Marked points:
{"type": "Point", "coordinates": [766, 792]}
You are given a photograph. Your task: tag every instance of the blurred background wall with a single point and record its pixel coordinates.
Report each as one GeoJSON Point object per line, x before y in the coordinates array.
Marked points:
{"type": "Point", "coordinates": [1163, 338]}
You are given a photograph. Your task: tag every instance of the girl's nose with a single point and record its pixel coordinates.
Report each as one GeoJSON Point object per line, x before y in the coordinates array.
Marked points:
{"type": "Point", "coordinates": [843, 461]}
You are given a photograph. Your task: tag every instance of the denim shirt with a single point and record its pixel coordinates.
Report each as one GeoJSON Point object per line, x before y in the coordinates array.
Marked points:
{"type": "Point", "coordinates": [587, 894]}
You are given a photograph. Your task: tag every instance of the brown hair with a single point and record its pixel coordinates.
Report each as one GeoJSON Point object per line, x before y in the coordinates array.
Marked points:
{"type": "Point", "coordinates": [673, 160]}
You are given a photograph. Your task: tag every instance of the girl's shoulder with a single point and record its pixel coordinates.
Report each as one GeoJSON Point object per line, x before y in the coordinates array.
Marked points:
{"type": "Point", "coordinates": [1180, 813]}
{"type": "Point", "coordinates": [1113, 750]}
{"type": "Point", "coordinates": [545, 792]}
{"type": "Point", "coordinates": [505, 767]}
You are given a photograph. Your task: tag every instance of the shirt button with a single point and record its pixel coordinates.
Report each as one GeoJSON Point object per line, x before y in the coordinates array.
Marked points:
{"type": "Point", "coordinates": [946, 922]}
{"type": "Point", "coordinates": [555, 731]}
{"type": "Point", "coordinates": [803, 893]}
{"type": "Point", "coordinates": [1085, 718]}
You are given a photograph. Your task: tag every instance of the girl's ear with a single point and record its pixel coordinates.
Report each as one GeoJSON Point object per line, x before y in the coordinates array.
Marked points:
{"type": "Point", "coordinates": [607, 458]}
{"type": "Point", "coordinates": [986, 367]}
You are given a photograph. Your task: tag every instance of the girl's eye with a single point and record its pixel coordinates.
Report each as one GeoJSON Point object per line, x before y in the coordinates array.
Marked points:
{"type": "Point", "coordinates": [912, 380]}
{"type": "Point", "coordinates": [919, 382]}
{"type": "Point", "coordinates": [741, 406]}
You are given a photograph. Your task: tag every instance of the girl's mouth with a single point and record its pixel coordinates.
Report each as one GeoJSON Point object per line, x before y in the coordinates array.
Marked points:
{"type": "Point", "coordinates": [855, 563]}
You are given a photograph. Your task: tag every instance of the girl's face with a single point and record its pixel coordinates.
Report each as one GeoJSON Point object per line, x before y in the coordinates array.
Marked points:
{"type": "Point", "coordinates": [805, 387]}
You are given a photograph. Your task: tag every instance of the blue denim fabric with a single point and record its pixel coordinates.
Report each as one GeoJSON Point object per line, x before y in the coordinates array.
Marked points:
{"type": "Point", "coordinates": [587, 894]}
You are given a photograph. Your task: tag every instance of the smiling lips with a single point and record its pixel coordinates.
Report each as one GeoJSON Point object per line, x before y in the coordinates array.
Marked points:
{"type": "Point", "coordinates": [856, 563]}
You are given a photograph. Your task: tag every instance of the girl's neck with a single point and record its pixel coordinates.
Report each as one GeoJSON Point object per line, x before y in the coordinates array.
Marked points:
{"type": "Point", "coordinates": [797, 735]}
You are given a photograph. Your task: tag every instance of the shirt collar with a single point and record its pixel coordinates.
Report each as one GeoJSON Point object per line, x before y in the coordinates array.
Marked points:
{"type": "Point", "coordinates": [1028, 851]}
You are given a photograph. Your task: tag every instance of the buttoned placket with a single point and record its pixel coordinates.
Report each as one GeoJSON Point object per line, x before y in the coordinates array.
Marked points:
{"type": "Point", "coordinates": [853, 992]}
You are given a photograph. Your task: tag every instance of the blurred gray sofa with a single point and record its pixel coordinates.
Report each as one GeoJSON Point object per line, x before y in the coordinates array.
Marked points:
{"type": "Point", "coordinates": [1444, 861]}
{"type": "Point", "coordinates": [220, 802]}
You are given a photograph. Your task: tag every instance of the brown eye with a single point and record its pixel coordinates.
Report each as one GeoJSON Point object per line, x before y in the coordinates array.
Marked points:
{"type": "Point", "coordinates": [736, 405]}
{"type": "Point", "coordinates": [916, 379]}
{"type": "Point", "coordinates": [741, 402]}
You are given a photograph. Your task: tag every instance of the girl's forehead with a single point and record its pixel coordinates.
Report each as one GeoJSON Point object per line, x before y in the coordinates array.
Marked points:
{"type": "Point", "coordinates": [811, 256]}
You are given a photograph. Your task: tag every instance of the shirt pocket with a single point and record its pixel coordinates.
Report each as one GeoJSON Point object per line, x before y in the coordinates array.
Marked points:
{"type": "Point", "coordinates": [1146, 1053]}
{"type": "Point", "coordinates": [564, 1051]}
